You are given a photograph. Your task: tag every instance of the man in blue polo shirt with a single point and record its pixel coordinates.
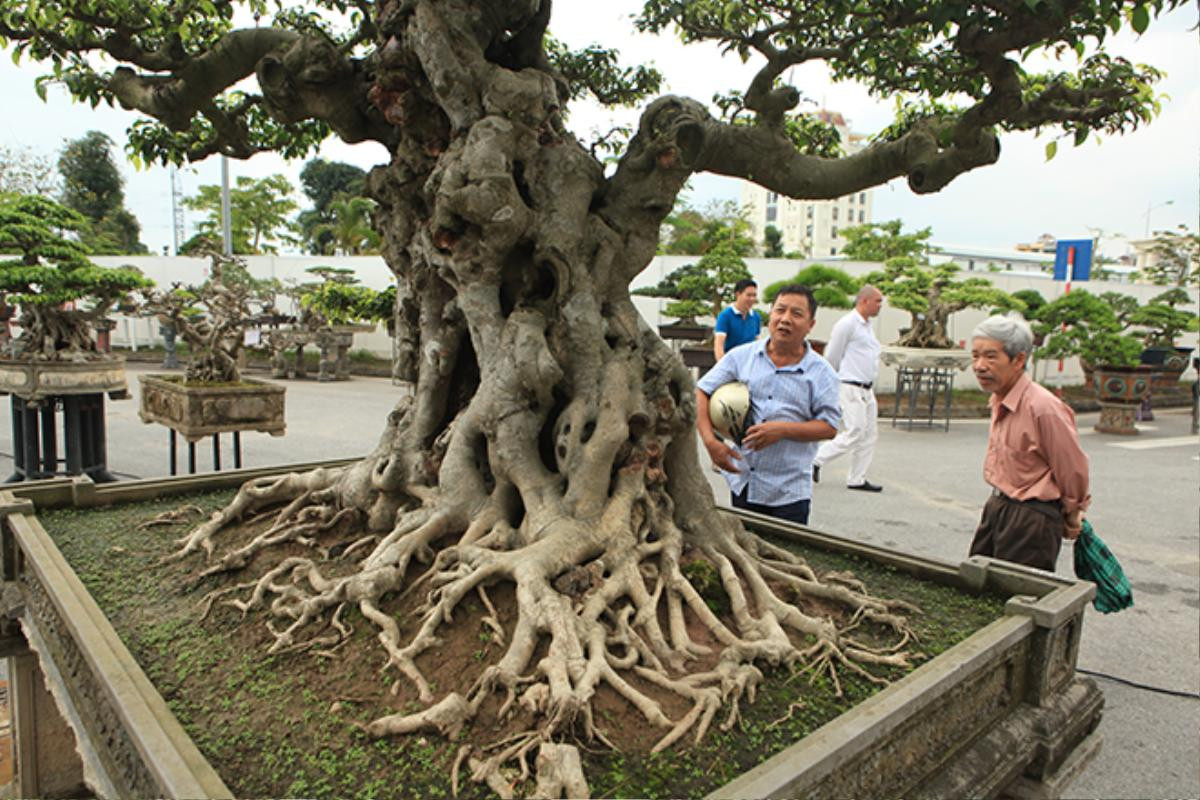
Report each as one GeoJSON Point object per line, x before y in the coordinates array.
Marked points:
{"type": "Point", "coordinates": [739, 323]}
{"type": "Point", "coordinates": [794, 405]}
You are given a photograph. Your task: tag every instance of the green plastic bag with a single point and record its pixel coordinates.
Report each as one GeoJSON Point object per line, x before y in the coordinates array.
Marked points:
{"type": "Point", "coordinates": [1095, 562]}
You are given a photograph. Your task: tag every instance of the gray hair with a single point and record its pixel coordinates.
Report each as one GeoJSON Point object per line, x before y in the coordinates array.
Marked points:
{"type": "Point", "coordinates": [1011, 331]}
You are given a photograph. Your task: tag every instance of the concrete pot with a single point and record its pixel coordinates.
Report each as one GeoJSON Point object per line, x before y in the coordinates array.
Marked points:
{"type": "Point", "coordinates": [197, 411]}
{"type": "Point", "coordinates": [1121, 391]}
{"type": "Point", "coordinates": [34, 380]}
{"type": "Point", "coordinates": [1001, 713]}
{"type": "Point", "coordinates": [925, 357]}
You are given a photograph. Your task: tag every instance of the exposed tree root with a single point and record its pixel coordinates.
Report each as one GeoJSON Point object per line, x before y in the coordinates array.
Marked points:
{"type": "Point", "coordinates": [591, 598]}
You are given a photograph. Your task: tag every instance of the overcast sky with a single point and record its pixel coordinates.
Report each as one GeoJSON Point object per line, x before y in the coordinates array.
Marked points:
{"type": "Point", "coordinates": [1108, 185]}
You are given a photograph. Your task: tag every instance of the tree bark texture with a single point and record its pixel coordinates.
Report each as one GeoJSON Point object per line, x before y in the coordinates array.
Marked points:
{"type": "Point", "coordinates": [548, 441]}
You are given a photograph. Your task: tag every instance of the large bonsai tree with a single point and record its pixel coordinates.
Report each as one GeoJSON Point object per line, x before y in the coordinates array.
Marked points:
{"type": "Point", "coordinates": [1089, 327]}
{"type": "Point", "coordinates": [548, 443]}
{"type": "Point", "coordinates": [1164, 317]}
{"type": "Point", "coordinates": [930, 293]}
{"type": "Point", "coordinates": [61, 293]}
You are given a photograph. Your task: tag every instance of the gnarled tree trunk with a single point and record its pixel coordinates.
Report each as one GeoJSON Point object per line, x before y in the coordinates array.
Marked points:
{"type": "Point", "coordinates": [548, 441]}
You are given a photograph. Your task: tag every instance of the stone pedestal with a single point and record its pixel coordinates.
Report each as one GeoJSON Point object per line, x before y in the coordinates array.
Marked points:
{"type": "Point", "coordinates": [924, 383]}
{"type": "Point", "coordinates": [197, 411]}
{"type": "Point", "coordinates": [42, 389]}
{"type": "Point", "coordinates": [1121, 391]}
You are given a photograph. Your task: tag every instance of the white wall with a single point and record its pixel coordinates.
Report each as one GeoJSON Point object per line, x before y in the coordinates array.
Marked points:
{"type": "Point", "coordinates": [135, 332]}
{"type": "Point", "coordinates": [373, 272]}
{"type": "Point", "coordinates": [889, 322]}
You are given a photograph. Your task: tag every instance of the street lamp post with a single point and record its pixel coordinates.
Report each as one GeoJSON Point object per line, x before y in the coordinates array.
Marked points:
{"type": "Point", "coordinates": [1150, 207]}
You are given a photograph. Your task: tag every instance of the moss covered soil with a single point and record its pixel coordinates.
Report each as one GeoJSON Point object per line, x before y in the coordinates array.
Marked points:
{"type": "Point", "coordinates": [284, 725]}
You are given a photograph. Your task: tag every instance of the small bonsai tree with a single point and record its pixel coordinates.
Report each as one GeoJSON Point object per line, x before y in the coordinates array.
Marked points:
{"type": "Point", "coordinates": [832, 287]}
{"type": "Point", "coordinates": [61, 293]}
{"type": "Point", "coordinates": [212, 317]}
{"type": "Point", "coordinates": [702, 288]}
{"type": "Point", "coordinates": [931, 293]}
{"type": "Point", "coordinates": [1083, 325]}
{"type": "Point", "coordinates": [1162, 320]}
{"type": "Point", "coordinates": [339, 299]}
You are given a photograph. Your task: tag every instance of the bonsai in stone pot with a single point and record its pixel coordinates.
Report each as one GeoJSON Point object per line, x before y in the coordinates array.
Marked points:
{"type": "Point", "coordinates": [60, 292]}
{"type": "Point", "coordinates": [212, 396]}
{"type": "Point", "coordinates": [54, 363]}
{"type": "Point", "coordinates": [696, 290]}
{"type": "Point", "coordinates": [1084, 326]}
{"type": "Point", "coordinates": [337, 308]}
{"type": "Point", "coordinates": [1162, 321]}
{"type": "Point", "coordinates": [931, 293]}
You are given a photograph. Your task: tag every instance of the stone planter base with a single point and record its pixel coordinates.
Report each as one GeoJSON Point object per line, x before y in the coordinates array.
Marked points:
{"type": "Point", "coordinates": [1121, 391]}
{"type": "Point", "coordinates": [1117, 418]}
{"type": "Point", "coordinates": [36, 380]}
{"type": "Point", "coordinates": [925, 357]}
{"type": "Point", "coordinates": [1001, 713]}
{"type": "Point", "coordinates": [200, 411]}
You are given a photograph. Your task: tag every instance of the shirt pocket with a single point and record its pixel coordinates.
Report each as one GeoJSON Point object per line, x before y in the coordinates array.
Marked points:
{"type": "Point", "coordinates": [1023, 454]}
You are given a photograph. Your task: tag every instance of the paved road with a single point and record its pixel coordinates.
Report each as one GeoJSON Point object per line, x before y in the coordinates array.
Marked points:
{"type": "Point", "coordinates": [1146, 506]}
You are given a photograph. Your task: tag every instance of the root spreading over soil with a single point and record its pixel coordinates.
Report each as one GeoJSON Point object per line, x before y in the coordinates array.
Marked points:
{"type": "Point", "coordinates": [618, 602]}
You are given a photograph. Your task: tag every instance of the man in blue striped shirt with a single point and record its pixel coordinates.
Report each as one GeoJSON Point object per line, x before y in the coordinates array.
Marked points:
{"type": "Point", "coordinates": [793, 406]}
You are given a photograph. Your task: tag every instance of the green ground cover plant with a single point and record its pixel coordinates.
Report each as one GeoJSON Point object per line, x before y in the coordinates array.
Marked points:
{"type": "Point", "coordinates": [287, 724]}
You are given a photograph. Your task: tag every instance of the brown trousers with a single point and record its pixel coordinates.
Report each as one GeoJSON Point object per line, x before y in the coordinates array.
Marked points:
{"type": "Point", "coordinates": [1029, 533]}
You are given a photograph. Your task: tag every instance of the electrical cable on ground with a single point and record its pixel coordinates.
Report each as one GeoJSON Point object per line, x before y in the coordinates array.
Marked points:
{"type": "Point", "coordinates": [1143, 686]}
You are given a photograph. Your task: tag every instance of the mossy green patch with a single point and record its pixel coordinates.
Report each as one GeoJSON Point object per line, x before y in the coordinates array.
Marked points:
{"type": "Point", "coordinates": [283, 725]}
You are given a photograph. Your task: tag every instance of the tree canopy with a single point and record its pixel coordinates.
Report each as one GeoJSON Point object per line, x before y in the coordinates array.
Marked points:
{"type": "Point", "coordinates": [879, 241]}
{"type": "Point", "coordinates": [51, 274]}
{"type": "Point", "coordinates": [1175, 258]}
{"type": "Point", "coordinates": [832, 287]}
{"type": "Point", "coordinates": [93, 185]}
{"type": "Point", "coordinates": [259, 215]}
{"type": "Point", "coordinates": [691, 231]}
{"type": "Point", "coordinates": [23, 171]}
{"type": "Point", "coordinates": [1084, 325]}
{"type": "Point", "coordinates": [702, 288]}
{"type": "Point", "coordinates": [324, 182]}
{"type": "Point", "coordinates": [931, 293]}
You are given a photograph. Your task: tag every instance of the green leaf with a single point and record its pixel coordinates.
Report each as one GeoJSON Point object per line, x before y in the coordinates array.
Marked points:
{"type": "Point", "coordinates": [1081, 136]}
{"type": "Point", "coordinates": [1051, 149]}
{"type": "Point", "coordinates": [1140, 19]}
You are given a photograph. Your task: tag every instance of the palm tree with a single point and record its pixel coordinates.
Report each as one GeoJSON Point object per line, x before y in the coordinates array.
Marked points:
{"type": "Point", "coordinates": [351, 232]}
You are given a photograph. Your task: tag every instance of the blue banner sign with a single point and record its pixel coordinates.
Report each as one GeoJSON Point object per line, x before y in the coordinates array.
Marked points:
{"type": "Point", "coordinates": [1073, 259]}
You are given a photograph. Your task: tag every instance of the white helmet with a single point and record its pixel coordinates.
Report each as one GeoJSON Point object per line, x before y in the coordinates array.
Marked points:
{"type": "Point", "coordinates": [729, 410]}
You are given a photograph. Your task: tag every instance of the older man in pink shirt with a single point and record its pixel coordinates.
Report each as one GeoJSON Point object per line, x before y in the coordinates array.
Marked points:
{"type": "Point", "coordinates": [1034, 464]}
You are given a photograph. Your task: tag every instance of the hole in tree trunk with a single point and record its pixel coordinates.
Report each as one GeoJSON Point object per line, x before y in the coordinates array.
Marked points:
{"type": "Point", "coordinates": [546, 439]}
{"type": "Point", "coordinates": [483, 464]}
{"type": "Point", "coordinates": [522, 186]}
{"type": "Point", "coordinates": [464, 382]}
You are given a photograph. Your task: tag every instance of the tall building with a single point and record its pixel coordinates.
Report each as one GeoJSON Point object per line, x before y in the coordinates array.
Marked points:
{"type": "Point", "coordinates": [810, 227]}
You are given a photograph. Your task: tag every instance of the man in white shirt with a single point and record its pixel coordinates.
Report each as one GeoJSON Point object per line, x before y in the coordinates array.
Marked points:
{"type": "Point", "coordinates": [853, 351]}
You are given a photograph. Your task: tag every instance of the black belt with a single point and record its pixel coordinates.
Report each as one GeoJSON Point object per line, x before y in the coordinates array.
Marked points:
{"type": "Point", "coordinates": [1051, 508]}
{"type": "Point", "coordinates": [859, 383]}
